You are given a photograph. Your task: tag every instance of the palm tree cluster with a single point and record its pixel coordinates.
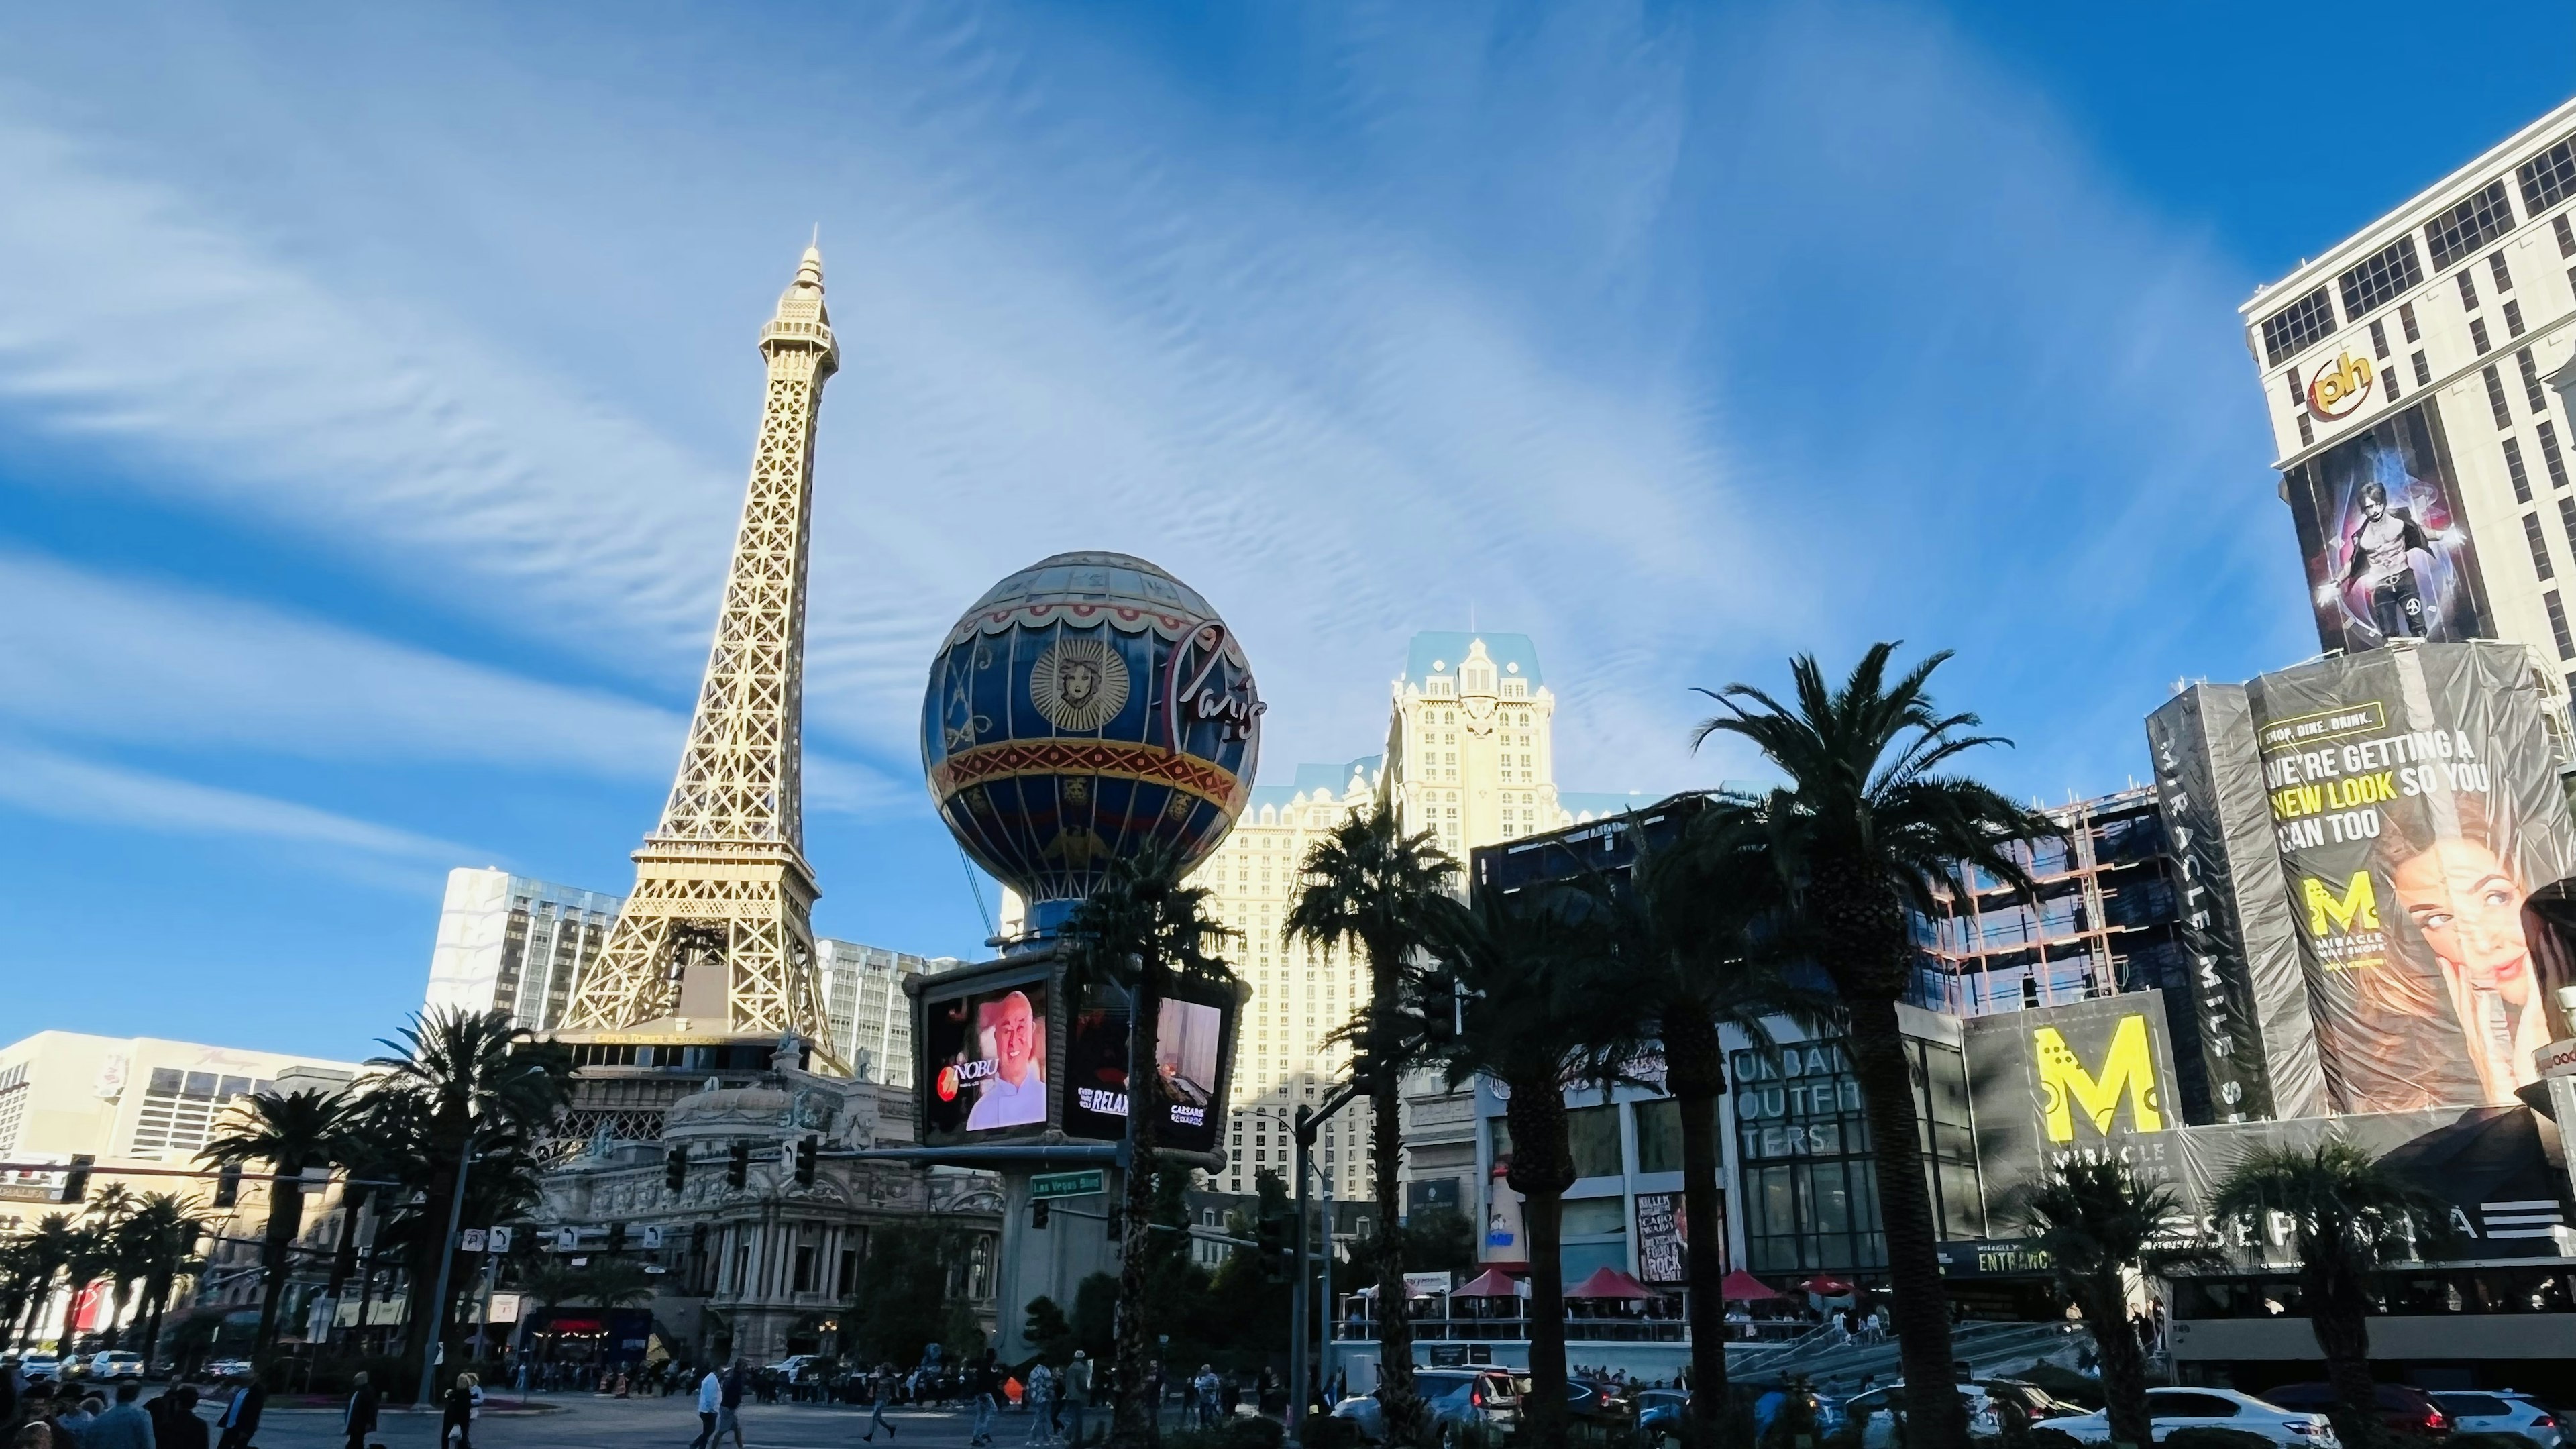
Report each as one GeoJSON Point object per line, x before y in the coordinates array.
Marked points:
{"type": "Point", "coordinates": [1711, 931]}
{"type": "Point", "coordinates": [458, 1094]}
{"type": "Point", "coordinates": [119, 1239]}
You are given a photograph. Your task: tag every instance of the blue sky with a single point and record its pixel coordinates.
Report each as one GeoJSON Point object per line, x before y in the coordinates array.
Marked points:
{"type": "Point", "coordinates": [376, 391]}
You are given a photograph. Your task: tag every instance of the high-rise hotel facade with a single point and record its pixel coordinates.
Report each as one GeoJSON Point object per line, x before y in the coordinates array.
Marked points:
{"type": "Point", "coordinates": [2423, 453]}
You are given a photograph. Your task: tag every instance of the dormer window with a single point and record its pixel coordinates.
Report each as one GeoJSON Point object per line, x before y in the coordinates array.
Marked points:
{"type": "Point", "coordinates": [1515, 689]}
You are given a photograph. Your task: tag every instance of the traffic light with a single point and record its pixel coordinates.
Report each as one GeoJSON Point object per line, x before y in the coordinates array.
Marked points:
{"type": "Point", "coordinates": [228, 1185]}
{"type": "Point", "coordinates": [76, 1178]}
{"type": "Point", "coordinates": [1038, 1214]}
{"type": "Point", "coordinates": [675, 1169]}
{"type": "Point", "coordinates": [738, 1165]}
{"type": "Point", "coordinates": [806, 1149]}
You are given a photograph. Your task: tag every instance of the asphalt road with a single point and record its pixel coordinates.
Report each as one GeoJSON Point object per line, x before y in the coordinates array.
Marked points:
{"type": "Point", "coordinates": [585, 1421]}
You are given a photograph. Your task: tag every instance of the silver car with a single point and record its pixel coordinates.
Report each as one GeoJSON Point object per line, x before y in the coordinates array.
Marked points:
{"type": "Point", "coordinates": [2502, 1412]}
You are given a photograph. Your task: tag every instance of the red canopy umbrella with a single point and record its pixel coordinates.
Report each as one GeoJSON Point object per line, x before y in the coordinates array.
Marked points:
{"type": "Point", "coordinates": [1825, 1287]}
{"type": "Point", "coordinates": [1743, 1287]}
{"type": "Point", "coordinates": [1492, 1283]}
{"type": "Point", "coordinates": [1609, 1282]}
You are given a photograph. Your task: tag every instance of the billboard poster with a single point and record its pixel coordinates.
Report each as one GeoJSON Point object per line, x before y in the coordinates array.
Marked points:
{"type": "Point", "coordinates": [2050, 1085]}
{"type": "Point", "coordinates": [1663, 1238]}
{"type": "Point", "coordinates": [1189, 1058]}
{"type": "Point", "coordinates": [2254, 1046]}
{"type": "Point", "coordinates": [2388, 549]}
{"type": "Point", "coordinates": [985, 1058]}
{"type": "Point", "coordinates": [2417, 807]}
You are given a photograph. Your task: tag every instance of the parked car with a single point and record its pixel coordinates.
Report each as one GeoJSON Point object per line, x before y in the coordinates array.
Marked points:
{"type": "Point", "coordinates": [1660, 1413]}
{"type": "Point", "coordinates": [1878, 1404]}
{"type": "Point", "coordinates": [2171, 1409]}
{"type": "Point", "coordinates": [1364, 1411]}
{"type": "Point", "coordinates": [2036, 1403]}
{"type": "Point", "coordinates": [2402, 1407]}
{"type": "Point", "coordinates": [1489, 1399]}
{"type": "Point", "coordinates": [115, 1364]}
{"type": "Point", "coordinates": [40, 1368]}
{"type": "Point", "coordinates": [1600, 1400]}
{"type": "Point", "coordinates": [2502, 1412]}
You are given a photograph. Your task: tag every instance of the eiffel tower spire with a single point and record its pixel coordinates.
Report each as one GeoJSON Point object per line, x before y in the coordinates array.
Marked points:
{"type": "Point", "coordinates": [717, 936]}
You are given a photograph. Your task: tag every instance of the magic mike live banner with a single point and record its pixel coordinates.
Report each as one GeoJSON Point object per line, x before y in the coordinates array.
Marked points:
{"type": "Point", "coordinates": [2416, 805]}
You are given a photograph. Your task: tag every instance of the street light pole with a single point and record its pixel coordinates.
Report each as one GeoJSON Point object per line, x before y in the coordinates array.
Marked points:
{"type": "Point", "coordinates": [446, 1263]}
{"type": "Point", "coordinates": [1310, 1120]}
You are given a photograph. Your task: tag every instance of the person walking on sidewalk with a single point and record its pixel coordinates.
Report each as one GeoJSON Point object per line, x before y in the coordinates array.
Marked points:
{"type": "Point", "coordinates": [710, 1399]}
{"type": "Point", "coordinates": [885, 1382]}
{"type": "Point", "coordinates": [1077, 1389]}
{"type": "Point", "coordinates": [360, 1421]}
{"type": "Point", "coordinates": [729, 1405]}
{"type": "Point", "coordinates": [459, 1418]}
{"type": "Point", "coordinates": [987, 1389]}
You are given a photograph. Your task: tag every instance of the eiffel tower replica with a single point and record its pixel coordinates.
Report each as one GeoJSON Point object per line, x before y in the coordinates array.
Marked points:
{"type": "Point", "coordinates": [711, 967]}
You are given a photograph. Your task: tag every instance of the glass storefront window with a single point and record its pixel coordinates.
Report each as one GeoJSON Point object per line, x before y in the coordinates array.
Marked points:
{"type": "Point", "coordinates": [1659, 1135]}
{"type": "Point", "coordinates": [1592, 1134]}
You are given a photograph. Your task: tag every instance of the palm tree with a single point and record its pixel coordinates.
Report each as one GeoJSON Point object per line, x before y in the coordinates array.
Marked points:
{"type": "Point", "coordinates": [1530, 1011]}
{"type": "Point", "coordinates": [163, 1231]}
{"type": "Point", "coordinates": [1369, 885]}
{"type": "Point", "coordinates": [92, 1256]}
{"type": "Point", "coordinates": [1866, 826]}
{"type": "Point", "coordinates": [290, 1131]}
{"type": "Point", "coordinates": [41, 1254]}
{"type": "Point", "coordinates": [1142, 930]}
{"type": "Point", "coordinates": [111, 1209]}
{"type": "Point", "coordinates": [2099, 1224]}
{"type": "Point", "coordinates": [616, 1283]}
{"type": "Point", "coordinates": [461, 1081]}
{"type": "Point", "coordinates": [1690, 941]}
{"type": "Point", "coordinates": [2347, 1212]}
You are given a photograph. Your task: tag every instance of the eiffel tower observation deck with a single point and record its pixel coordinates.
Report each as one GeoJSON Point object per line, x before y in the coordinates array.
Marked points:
{"type": "Point", "coordinates": [711, 967]}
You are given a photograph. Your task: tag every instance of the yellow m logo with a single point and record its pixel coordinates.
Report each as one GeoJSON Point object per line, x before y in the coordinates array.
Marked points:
{"type": "Point", "coordinates": [2356, 910]}
{"type": "Point", "coordinates": [2129, 1067]}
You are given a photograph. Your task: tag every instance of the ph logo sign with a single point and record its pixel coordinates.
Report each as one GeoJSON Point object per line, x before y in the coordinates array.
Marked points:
{"type": "Point", "coordinates": [2341, 388]}
{"type": "Point", "coordinates": [2066, 1083]}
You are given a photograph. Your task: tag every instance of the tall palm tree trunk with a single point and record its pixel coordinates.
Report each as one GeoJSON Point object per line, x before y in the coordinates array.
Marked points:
{"type": "Point", "coordinates": [285, 1214]}
{"type": "Point", "coordinates": [1542, 1169]}
{"type": "Point", "coordinates": [1136, 1420]}
{"type": "Point", "coordinates": [156, 1305]}
{"type": "Point", "coordinates": [2105, 1302]}
{"type": "Point", "coordinates": [1394, 1309]}
{"type": "Point", "coordinates": [1695, 1070]}
{"type": "Point", "coordinates": [2338, 1309]}
{"type": "Point", "coordinates": [1935, 1419]}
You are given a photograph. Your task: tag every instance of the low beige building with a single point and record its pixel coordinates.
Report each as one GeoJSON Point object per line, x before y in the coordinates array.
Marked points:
{"type": "Point", "coordinates": [130, 1104]}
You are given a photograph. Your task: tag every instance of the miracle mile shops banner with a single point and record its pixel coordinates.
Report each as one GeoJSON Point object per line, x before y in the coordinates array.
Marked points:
{"type": "Point", "coordinates": [2416, 804]}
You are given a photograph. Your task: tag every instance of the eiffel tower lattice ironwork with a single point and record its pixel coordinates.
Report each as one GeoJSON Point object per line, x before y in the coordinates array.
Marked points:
{"type": "Point", "coordinates": [717, 937]}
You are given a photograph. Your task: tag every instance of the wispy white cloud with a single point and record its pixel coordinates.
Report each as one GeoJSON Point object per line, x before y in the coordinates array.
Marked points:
{"type": "Point", "coordinates": [95, 656]}
{"type": "Point", "coordinates": [48, 783]}
{"type": "Point", "coordinates": [1672, 338]}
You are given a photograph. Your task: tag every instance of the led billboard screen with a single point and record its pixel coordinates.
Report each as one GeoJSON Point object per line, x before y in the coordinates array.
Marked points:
{"type": "Point", "coordinates": [984, 1062]}
{"type": "Point", "coordinates": [1189, 1056]}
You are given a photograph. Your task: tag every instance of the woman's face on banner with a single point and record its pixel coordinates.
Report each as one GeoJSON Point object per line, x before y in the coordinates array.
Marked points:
{"type": "Point", "coordinates": [2469, 908]}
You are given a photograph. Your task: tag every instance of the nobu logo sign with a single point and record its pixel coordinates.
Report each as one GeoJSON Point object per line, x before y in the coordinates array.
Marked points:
{"type": "Point", "coordinates": [2128, 1069]}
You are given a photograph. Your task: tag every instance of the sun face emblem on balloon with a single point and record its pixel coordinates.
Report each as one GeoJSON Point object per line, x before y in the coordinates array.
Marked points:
{"type": "Point", "coordinates": [1079, 684]}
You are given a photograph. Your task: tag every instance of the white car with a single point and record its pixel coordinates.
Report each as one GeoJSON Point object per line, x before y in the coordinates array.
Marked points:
{"type": "Point", "coordinates": [115, 1365]}
{"type": "Point", "coordinates": [2503, 1412]}
{"type": "Point", "coordinates": [38, 1368]}
{"type": "Point", "coordinates": [2171, 1409]}
{"type": "Point", "coordinates": [1881, 1431]}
